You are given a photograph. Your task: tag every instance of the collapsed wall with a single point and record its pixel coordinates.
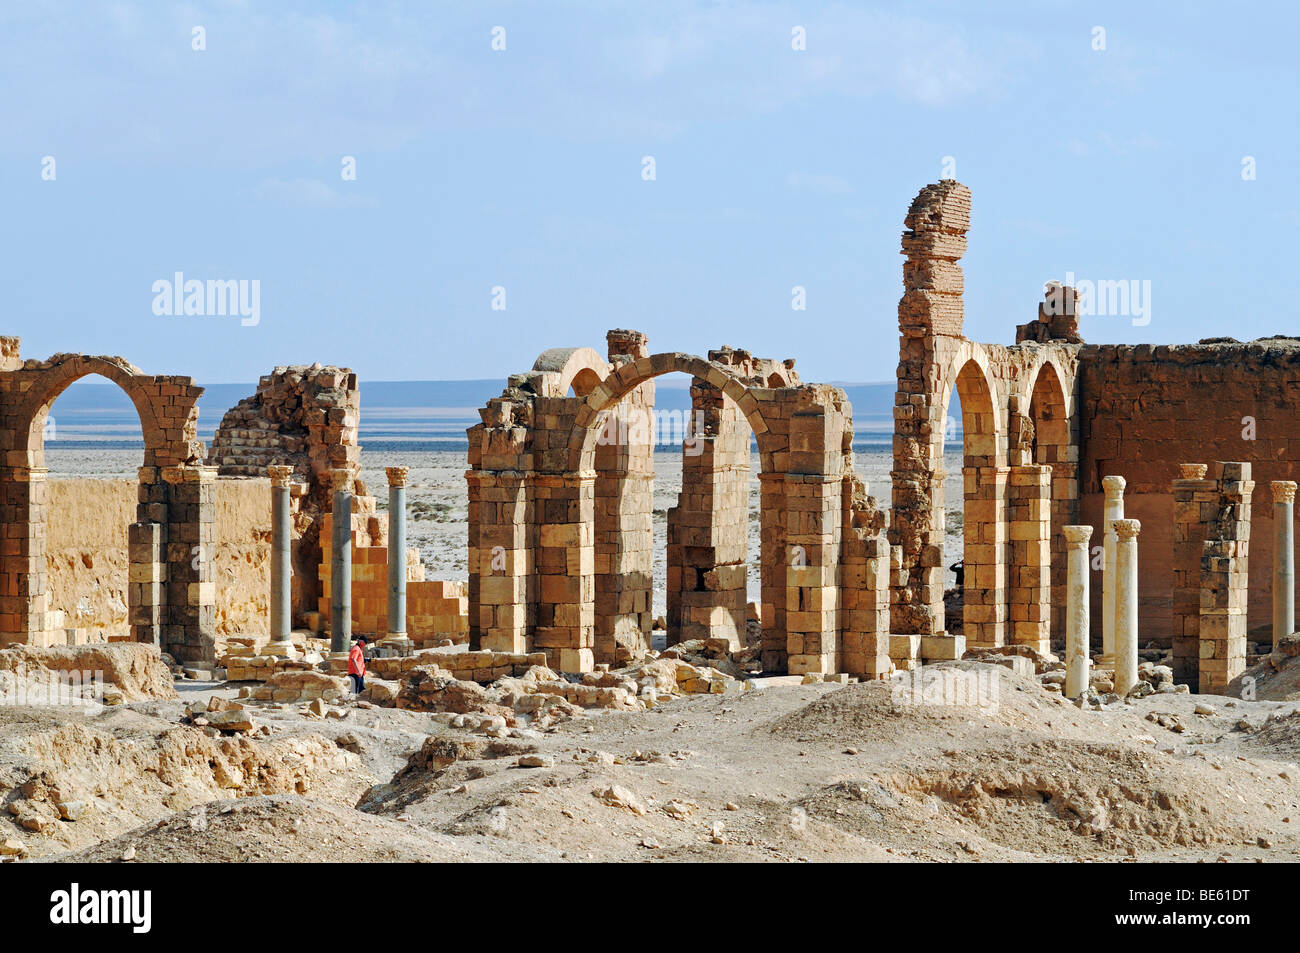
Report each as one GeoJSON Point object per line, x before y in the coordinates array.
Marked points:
{"type": "Point", "coordinates": [304, 417]}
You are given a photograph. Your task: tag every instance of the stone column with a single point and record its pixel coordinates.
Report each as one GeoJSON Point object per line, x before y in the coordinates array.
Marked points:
{"type": "Point", "coordinates": [1114, 510]}
{"type": "Point", "coordinates": [1126, 605]}
{"type": "Point", "coordinates": [1077, 658]}
{"type": "Point", "coordinates": [341, 564]}
{"type": "Point", "coordinates": [396, 553]}
{"type": "Point", "coordinates": [281, 566]}
{"type": "Point", "coordinates": [1283, 559]}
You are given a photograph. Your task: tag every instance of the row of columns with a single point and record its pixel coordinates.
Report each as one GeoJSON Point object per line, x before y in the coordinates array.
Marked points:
{"type": "Point", "coordinates": [1119, 577]}
{"type": "Point", "coordinates": [340, 559]}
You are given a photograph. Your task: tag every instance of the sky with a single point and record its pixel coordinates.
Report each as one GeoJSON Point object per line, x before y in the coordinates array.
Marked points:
{"type": "Point", "coordinates": [502, 201]}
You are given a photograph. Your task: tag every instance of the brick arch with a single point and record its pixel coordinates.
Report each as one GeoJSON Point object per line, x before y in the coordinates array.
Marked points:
{"type": "Point", "coordinates": [969, 372]}
{"type": "Point", "coordinates": [621, 382]}
{"type": "Point", "coordinates": [51, 382]}
{"type": "Point", "coordinates": [1055, 445]}
{"type": "Point", "coordinates": [984, 487]}
{"type": "Point", "coordinates": [560, 368]}
{"type": "Point", "coordinates": [1049, 408]}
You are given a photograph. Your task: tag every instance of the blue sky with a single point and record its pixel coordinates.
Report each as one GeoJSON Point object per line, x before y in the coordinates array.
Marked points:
{"type": "Point", "coordinates": [522, 168]}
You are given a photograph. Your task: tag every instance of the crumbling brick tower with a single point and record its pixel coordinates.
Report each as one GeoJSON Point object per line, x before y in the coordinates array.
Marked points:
{"type": "Point", "coordinates": [1019, 451]}
{"type": "Point", "coordinates": [929, 317]}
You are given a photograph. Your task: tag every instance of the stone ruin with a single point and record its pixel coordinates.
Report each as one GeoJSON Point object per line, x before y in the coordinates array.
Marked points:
{"type": "Point", "coordinates": [560, 537]}
{"type": "Point", "coordinates": [1156, 447]}
{"type": "Point", "coordinates": [560, 514]}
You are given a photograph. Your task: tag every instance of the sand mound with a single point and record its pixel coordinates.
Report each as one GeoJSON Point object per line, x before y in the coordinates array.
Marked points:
{"type": "Point", "coordinates": [275, 829]}
{"type": "Point", "coordinates": [135, 669]}
{"type": "Point", "coordinates": [1279, 736]}
{"type": "Point", "coordinates": [938, 696]}
{"type": "Point", "coordinates": [1052, 798]}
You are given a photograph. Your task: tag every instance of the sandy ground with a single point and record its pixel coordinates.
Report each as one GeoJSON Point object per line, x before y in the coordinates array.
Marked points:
{"type": "Point", "coordinates": [784, 772]}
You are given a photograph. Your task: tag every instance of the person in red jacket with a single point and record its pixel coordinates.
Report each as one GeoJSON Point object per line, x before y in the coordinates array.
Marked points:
{"type": "Point", "coordinates": [357, 665]}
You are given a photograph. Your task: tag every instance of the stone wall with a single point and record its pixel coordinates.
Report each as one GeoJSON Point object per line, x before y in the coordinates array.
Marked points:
{"type": "Point", "coordinates": [170, 593]}
{"type": "Point", "coordinates": [87, 556]}
{"type": "Point", "coordinates": [436, 609]}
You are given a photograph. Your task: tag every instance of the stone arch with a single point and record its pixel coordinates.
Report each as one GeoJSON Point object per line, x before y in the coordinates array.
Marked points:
{"type": "Point", "coordinates": [171, 596]}
{"type": "Point", "coordinates": [622, 380]}
{"type": "Point", "coordinates": [50, 384]}
{"type": "Point", "coordinates": [984, 478]}
{"type": "Point", "coordinates": [566, 612]}
{"type": "Point", "coordinates": [561, 368]}
{"type": "Point", "coordinates": [983, 413]}
{"type": "Point", "coordinates": [1050, 412]}
{"type": "Point", "coordinates": [1055, 445]}
{"type": "Point", "coordinates": [707, 563]}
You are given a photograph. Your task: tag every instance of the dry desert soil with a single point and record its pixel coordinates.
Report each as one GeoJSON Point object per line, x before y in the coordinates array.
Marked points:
{"type": "Point", "coordinates": [781, 772]}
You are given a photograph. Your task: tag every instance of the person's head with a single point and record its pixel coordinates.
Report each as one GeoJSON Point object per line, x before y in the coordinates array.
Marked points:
{"type": "Point", "coordinates": [362, 641]}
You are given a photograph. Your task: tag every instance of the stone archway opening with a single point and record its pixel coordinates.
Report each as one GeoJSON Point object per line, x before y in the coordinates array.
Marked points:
{"type": "Point", "coordinates": [983, 519]}
{"type": "Point", "coordinates": [554, 543]}
{"type": "Point", "coordinates": [705, 526]}
{"type": "Point", "coordinates": [93, 448]}
{"type": "Point", "coordinates": [1054, 447]}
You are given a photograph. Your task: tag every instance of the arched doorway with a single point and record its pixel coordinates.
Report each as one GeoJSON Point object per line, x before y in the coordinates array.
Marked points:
{"type": "Point", "coordinates": [93, 454]}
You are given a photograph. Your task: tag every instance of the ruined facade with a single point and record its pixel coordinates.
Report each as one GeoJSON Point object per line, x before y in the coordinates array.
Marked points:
{"type": "Point", "coordinates": [1020, 452]}
{"type": "Point", "coordinates": [559, 521]}
{"type": "Point", "coordinates": [1043, 422]}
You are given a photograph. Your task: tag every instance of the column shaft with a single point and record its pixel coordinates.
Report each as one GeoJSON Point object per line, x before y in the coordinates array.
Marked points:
{"type": "Point", "coordinates": [1283, 559]}
{"type": "Point", "coordinates": [1077, 658]}
{"type": "Point", "coordinates": [396, 551]}
{"type": "Point", "coordinates": [1113, 486]}
{"type": "Point", "coordinates": [1126, 605]}
{"type": "Point", "coordinates": [341, 565]}
{"type": "Point", "coordinates": [281, 566]}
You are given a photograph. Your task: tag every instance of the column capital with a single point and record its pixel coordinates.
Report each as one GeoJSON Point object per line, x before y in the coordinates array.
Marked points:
{"type": "Point", "coordinates": [341, 479]}
{"type": "Point", "coordinates": [1113, 486]}
{"type": "Point", "coordinates": [1283, 491]}
{"type": "Point", "coordinates": [1077, 535]}
{"type": "Point", "coordinates": [1192, 471]}
{"type": "Point", "coordinates": [1126, 529]}
{"type": "Point", "coordinates": [280, 475]}
{"type": "Point", "coordinates": [397, 475]}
